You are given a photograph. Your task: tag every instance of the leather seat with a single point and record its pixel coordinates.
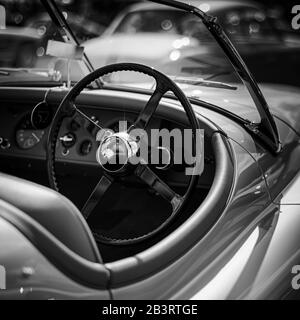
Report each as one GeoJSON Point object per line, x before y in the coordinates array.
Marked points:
{"type": "Point", "coordinates": [54, 212]}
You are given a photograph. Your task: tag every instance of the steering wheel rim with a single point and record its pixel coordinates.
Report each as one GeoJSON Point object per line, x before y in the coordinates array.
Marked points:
{"type": "Point", "coordinates": [67, 109]}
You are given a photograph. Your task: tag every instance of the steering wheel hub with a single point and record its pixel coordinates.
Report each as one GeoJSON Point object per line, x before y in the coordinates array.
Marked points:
{"type": "Point", "coordinates": [115, 151]}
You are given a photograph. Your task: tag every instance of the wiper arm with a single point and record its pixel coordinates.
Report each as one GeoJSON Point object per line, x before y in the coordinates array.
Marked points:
{"type": "Point", "coordinates": [67, 33]}
{"type": "Point", "coordinates": [202, 82]}
{"type": "Point", "coordinates": [4, 73]}
{"type": "Point", "coordinates": [32, 71]}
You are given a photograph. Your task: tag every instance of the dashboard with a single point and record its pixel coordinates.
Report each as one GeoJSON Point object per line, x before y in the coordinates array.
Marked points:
{"type": "Point", "coordinates": [24, 126]}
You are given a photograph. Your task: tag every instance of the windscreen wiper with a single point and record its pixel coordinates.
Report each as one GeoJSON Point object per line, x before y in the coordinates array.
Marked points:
{"type": "Point", "coordinates": [202, 82]}
{"type": "Point", "coordinates": [66, 32]}
{"type": "Point", "coordinates": [4, 73]}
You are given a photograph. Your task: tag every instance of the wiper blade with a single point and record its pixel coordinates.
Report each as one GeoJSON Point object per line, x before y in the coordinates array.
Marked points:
{"type": "Point", "coordinates": [10, 71]}
{"type": "Point", "coordinates": [4, 73]}
{"type": "Point", "coordinates": [202, 82]}
{"type": "Point", "coordinates": [28, 74]}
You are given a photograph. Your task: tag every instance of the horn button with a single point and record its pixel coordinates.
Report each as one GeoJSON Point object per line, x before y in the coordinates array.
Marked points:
{"type": "Point", "coordinates": [115, 151]}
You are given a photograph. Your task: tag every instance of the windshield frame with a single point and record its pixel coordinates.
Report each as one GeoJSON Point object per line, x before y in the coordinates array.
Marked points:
{"type": "Point", "coordinates": [266, 131]}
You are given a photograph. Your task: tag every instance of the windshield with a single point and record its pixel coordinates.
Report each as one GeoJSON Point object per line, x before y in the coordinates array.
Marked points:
{"type": "Point", "coordinates": [25, 30]}
{"type": "Point", "coordinates": [172, 41]}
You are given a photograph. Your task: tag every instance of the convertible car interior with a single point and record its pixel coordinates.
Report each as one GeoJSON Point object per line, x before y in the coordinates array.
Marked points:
{"type": "Point", "coordinates": [216, 158]}
{"type": "Point", "coordinates": [137, 211]}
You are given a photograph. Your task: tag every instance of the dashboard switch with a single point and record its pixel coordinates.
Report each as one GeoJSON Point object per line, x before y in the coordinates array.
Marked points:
{"type": "Point", "coordinates": [86, 147]}
{"type": "Point", "coordinates": [68, 140]}
{"type": "Point", "coordinates": [4, 143]}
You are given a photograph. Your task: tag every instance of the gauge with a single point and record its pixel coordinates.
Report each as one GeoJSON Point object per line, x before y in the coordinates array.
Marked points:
{"type": "Point", "coordinates": [26, 135]}
{"type": "Point", "coordinates": [41, 116]}
{"type": "Point", "coordinates": [27, 139]}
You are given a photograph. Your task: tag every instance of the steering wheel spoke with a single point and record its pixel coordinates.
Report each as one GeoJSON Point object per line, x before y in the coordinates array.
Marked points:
{"type": "Point", "coordinates": [154, 182]}
{"type": "Point", "coordinates": [151, 106]}
{"type": "Point", "coordinates": [97, 195]}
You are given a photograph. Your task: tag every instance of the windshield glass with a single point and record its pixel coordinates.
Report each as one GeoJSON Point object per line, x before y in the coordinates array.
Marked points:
{"type": "Point", "coordinates": [169, 40]}
{"type": "Point", "coordinates": [25, 30]}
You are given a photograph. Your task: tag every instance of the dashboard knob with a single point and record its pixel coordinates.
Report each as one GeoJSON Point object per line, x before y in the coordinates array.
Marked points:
{"type": "Point", "coordinates": [68, 140]}
{"type": "Point", "coordinates": [4, 143]}
{"type": "Point", "coordinates": [86, 147]}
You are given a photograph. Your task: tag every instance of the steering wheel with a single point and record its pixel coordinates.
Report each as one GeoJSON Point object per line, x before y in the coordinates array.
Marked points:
{"type": "Point", "coordinates": [124, 145]}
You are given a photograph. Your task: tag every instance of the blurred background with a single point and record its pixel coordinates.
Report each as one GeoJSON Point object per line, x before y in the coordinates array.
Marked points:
{"type": "Point", "coordinates": [261, 31]}
{"type": "Point", "coordinates": [106, 10]}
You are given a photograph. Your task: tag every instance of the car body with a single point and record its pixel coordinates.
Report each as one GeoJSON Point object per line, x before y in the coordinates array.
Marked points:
{"type": "Point", "coordinates": [263, 38]}
{"type": "Point", "coordinates": [237, 238]}
{"type": "Point", "coordinates": [84, 29]}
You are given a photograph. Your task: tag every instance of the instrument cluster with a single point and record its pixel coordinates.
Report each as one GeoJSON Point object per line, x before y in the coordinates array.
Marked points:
{"type": "Point", "coordinates": [77, 139]}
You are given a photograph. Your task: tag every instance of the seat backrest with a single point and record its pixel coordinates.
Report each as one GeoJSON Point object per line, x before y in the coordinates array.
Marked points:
{"type": "Point", "coordinates": [54, 212]}
{"type": "Point", "coordinates": [71, 265]}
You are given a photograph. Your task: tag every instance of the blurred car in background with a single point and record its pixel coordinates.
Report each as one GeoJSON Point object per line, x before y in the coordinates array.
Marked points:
{"type": "Point", "coordinates": [167, 38]}
{"type": "Point", "coordinates": [83, 28]}
{"type": "Point", "coordinates": [20, 46]}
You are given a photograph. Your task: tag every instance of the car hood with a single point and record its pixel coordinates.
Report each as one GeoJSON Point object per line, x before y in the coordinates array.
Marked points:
{"type": "Point", "coordinates": [283, 101]}
{"type": "Point", "coordinates": [118, 47]}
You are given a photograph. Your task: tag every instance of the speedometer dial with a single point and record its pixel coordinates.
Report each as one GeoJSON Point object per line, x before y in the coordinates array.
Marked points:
{"type": "Point", "coordinates": [31, 128]}
{"type": "Point", "coordinates": [27, 139]}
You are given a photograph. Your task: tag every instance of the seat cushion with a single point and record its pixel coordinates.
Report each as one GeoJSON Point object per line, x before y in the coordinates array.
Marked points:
{"type": "Point", "coordinates": [54, 212]}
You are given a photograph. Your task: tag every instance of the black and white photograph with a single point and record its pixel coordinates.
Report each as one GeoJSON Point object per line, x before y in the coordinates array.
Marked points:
{"type": "Point", "coordinates": [149, 150]}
